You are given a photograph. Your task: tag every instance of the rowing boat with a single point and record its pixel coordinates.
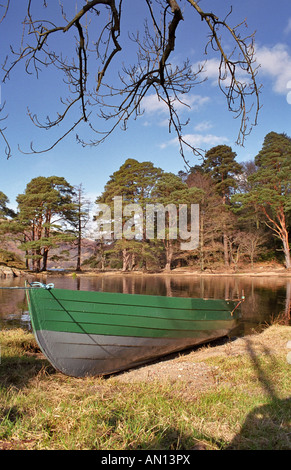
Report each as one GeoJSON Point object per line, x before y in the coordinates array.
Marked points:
{"type": "Point", "coordinates": [98, 333]}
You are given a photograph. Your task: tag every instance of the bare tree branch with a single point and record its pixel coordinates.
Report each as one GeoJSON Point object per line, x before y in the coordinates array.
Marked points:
{"type": "Point", "coordinates": [4, 8]}
{"type": "Point", "coordinates": [98, 44]}
{"type": "Point", "coordinates": [7, 149]}
{"type": "Point", "coordinates": [236, 90]}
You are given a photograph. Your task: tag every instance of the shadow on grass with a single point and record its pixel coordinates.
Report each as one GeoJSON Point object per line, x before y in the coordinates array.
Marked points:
{"type": "Point", "coordinates": [21, 359]}
{"type": "Point", "coordinates": [267, 427]}
{"type": "Point", "coordinates": [17, 372]}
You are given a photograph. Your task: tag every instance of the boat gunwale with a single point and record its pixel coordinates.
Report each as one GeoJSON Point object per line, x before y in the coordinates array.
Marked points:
{"type": "Point", "coordinates": [140, 297]}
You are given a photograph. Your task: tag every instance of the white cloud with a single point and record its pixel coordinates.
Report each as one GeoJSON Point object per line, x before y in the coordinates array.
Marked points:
{"type": "Point", "coordinates": [210, 69]}
{"type": "Point", "coordinates": [151, 104]}
{"type": "Point", "coordinates": [203, 126]}
{"type": "Point", "coordinates": [275, 63]}
{"type": "Point", "coordinates": [198, 140]}
{"type": "Point", "coordinates": [211, 72]}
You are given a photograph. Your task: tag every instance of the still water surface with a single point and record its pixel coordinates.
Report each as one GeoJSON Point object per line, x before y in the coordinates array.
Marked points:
{"type": "Point", "coordinates": [267, 298]}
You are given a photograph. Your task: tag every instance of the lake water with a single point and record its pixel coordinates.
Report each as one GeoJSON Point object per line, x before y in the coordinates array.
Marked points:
{"type": "Point", "coordinates": [267, 298]}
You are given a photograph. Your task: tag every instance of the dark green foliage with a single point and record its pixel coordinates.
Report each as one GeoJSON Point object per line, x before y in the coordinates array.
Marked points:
{"type": "Point", "coordinates": [4, 210]}
{"type": "Point", "coordinates": [220, 163]}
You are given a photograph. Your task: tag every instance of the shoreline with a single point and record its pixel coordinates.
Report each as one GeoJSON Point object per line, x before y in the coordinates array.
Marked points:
{"type": "Point", "coordinates": [258, 271]}
{"type": "Point", "coordinates": [178, 272]}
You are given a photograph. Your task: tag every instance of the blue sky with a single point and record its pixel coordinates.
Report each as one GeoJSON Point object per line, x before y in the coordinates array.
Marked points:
{"type": "Point", "coordinates": [148, 139]}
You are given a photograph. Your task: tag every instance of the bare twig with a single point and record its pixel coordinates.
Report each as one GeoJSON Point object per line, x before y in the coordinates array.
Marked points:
{"type": "Point", "coordinates": [7, 149]}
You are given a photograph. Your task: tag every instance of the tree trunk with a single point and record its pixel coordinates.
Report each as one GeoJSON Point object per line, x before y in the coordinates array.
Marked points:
{"type": "Point", "coordinates": [26, 260]}
{"type": "Point", "coordinates": [225, 250]}
{"type": "Point", "coordinates": [286, 250]}
{"type": "Point", "coordinates": [26, 253]}
{"type": "Point", "coordinates": [33, 251]}
{"type": "Point", "coordinates": [201, 241]}
{"type": "Point", "coordinates": [79, 240]}
{"type": "Point", "coordinates": [132, 262]}
{"type": "Point", "coordinates": [169, 256]}
{"type": "Point", "coordinates": [125, 259]}
{"type": "Point", "coordinates": [46, 235]}
{"type": "Point", "coordinates": [44, 259]}
{"type": "Point", "coordinates": [102, 263]}
{"type": "Point", "coordinates": [225, 245]}
{"type": "Point", "coordinates": [288, 302]}
{"type": "Point", "coordinates": [38, 254]}
{"type": "Point", "coordinates": [283, 234]}
{"type": "Point", "coordinates": [280, 228]}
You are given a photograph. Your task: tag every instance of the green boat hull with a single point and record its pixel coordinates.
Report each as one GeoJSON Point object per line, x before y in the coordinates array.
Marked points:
{"type": "Point", "coordinates": [99, 333]}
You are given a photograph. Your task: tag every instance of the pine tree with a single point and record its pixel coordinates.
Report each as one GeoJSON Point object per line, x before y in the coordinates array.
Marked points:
{"type": "Point", "coordinates": [271, 187]}
{"type": "Point", "coordinates": [220, 163]}
{"type": "Point", "coordinates": [170, 189]}
{"type": "Point", "coordinates": [79, 219]}
{"type": "Point", "coordinates": [44, 206]}
{"type": "Point", "coordinates": [134, 182]}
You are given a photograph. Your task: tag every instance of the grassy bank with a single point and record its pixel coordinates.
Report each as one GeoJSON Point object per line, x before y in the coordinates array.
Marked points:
{"type": "Point", "coordinates": [233, 396]}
